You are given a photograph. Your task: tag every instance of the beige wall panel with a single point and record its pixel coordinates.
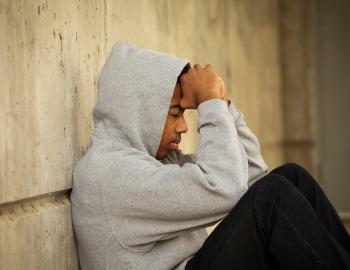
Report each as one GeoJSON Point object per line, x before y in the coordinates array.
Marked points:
{"type": "Point", "coordinates": [298, 79]}
{"type": "Point", "coordinates": [38, 235]}
{"type": "Point", "coordinates": [301, 154]}
{"type": "Point", "coordinates": [298, 62]}
{"type": "Point", "coordinates": [273, 155]}
{"type": "Point", "coordinates": [254, 71]}
{"type": "Point", "coordinates": [254, 66]}
{"type": "Point", "coordinates": [333, 96]}
{"type": "Point", "coordinates": [51, 53]}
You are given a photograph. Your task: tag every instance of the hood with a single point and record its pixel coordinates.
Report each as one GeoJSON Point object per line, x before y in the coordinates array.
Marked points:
{"type": "Point", "coordinates": [135, 89]}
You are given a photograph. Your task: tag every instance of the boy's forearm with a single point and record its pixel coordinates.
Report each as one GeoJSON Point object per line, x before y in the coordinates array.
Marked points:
{"type": "Point", "coordinates": [256, 164]}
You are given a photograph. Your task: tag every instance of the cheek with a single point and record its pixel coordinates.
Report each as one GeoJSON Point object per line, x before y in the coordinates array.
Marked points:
{"type": "Point", "coordinates": [166, 136]}
{"type": "Point", "coordinates": [168, 132]}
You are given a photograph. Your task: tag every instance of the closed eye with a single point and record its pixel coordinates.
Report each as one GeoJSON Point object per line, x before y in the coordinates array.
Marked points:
{"type": "Point", "coordinates": [176, 110]}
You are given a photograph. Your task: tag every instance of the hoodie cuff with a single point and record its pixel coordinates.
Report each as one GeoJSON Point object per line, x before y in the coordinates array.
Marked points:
{"type": "Point", "coordinates": [233, 110]}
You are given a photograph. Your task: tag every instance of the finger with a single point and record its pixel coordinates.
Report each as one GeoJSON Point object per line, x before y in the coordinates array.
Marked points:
{"type": "Point", "coordinates": [222, 87]}
{"type": "Point", "coordinates": [208, 66]}
{"type": "Point", "coordinates": [184, 103]}
{"type": "Point", "coordinates": [222, 82]}
{"type": "Point", "coordinates": [197, 66]}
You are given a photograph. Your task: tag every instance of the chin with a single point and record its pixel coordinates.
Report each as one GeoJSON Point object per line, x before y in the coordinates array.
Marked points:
{"type": "Point", "coordinates": [161, 155]}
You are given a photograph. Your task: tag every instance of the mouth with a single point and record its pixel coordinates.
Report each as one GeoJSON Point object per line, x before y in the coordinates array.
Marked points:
{"type": "Point", "coordinates": [175, 144]}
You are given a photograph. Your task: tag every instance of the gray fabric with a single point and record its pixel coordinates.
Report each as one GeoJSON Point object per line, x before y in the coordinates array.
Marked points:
{"type": "Point", "coordinates": [131, 211]}
{"type": "Point", "coordinates": [257, 167]}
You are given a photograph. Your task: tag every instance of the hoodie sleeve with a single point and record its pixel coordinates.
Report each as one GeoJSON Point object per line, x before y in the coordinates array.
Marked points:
{"type": "Point", "coordinates": [161, 201]}
{"type": "Point", "coordinates": [256, 164]}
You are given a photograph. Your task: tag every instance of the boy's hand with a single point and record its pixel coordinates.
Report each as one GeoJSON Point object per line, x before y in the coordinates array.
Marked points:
{"type": "Point", "coordinates": [198, 85]}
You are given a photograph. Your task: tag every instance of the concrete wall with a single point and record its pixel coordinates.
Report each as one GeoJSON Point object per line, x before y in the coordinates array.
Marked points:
{"type": "Point", "coordinates": [298, 81]}
{"type": "Point", "coordinates": [51, 53]}
{"type": "Point", "coordinates": [333, 100]}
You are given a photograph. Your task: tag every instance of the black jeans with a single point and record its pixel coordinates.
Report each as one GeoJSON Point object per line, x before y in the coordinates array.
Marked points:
{"type": "Point", "coordinates": [284, 221]}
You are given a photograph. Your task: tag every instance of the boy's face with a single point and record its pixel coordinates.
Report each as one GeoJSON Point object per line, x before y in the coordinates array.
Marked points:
{"type": "Point", "coordinates": [175, 125]}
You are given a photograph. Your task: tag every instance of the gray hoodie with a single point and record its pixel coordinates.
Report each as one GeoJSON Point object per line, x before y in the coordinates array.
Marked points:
{"type": "Point", "coordinates": [132, 211]}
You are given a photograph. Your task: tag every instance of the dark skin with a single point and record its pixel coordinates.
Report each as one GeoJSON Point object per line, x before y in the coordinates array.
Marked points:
{"type": "Point", "coordinates": [175, 125]}
{"type": "Point", "coordinates": [199, 84]}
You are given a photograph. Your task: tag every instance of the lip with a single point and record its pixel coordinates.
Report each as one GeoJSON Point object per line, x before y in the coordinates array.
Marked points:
{"type": "Point", "coordinates": [174, 146]}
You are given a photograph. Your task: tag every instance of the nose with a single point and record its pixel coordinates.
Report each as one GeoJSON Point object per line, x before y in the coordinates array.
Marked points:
{"type": "Point", "coordinates": [181, 126]}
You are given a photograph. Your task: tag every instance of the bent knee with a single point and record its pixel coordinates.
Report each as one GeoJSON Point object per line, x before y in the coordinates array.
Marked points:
{"type": "Point", "coordinates": [273, 184]}
{"type": "Point", "coordinates": [294, 166]}
{"type": "Point", "coordinates": [289, 168]}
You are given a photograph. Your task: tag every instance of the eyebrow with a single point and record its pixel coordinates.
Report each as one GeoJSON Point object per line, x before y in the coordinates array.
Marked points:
{"type": "Point", "coordinates": [175, 106]}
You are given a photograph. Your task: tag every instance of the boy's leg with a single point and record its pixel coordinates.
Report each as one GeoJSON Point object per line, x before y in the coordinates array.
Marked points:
{"type": "Point", "coordinates": [307, 185]}
{"type": "Point", "coordinates": [273, 226]}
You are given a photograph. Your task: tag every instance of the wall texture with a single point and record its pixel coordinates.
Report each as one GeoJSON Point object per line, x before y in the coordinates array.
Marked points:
{"type": "Point", "coordinates": [333, 100]}
{"type": "Point", "coordinates": [298, 77]}
{"type": "Point", "coordinates": [51, 53]}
